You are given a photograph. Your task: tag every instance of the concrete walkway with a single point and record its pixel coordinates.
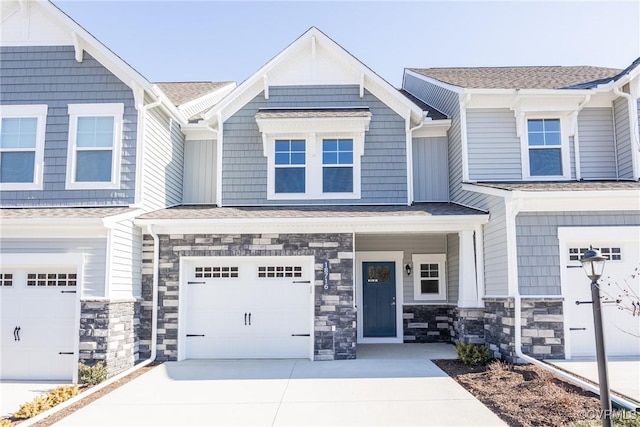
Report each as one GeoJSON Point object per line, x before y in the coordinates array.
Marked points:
{"type": "Point", "coordinates": [624, 373]}
{"type": "Point", "coordinates": [395, 385]}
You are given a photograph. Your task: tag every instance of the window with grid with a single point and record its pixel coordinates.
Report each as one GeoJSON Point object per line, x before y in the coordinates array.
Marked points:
{"type": "Point", "coordinates": [22, 129]}
{"type": "Point", "coordinates": [279, 271]}
{"type": "Point", "coordinates": [6, 279]}
{"type": "Point", "coordinates": [216, 272]}
{"type": "Point", "coordinates": [51, 279]}
{"type": "Point", "coordinates": [290, 171]}
{"type": "Point", "coordinates": [337, 165]}
{"type": "Point", "coordinates": [429, 282]}
{"type": "Point", "coordinates": [545, 147]}
{"type": "Point", "coordinates": [610, 253]}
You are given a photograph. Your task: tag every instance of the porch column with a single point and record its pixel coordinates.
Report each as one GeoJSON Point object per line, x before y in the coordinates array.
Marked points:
{"type": "Point", "coordinates": [468, 292]}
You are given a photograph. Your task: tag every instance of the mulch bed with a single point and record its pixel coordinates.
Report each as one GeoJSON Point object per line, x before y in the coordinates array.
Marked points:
{"type": "Point", "coordinates": [526, 395]}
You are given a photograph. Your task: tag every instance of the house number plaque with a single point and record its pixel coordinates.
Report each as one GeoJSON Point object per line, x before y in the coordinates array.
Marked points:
{"type": "Point", "coordinates": [325, 274]}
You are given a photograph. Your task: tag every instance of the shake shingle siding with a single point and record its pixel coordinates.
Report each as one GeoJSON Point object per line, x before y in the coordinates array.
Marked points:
{"type": "Point", "coordinates": [623, 138]}
{"type": "Point", "coordinates": [383, 166]}
{"type": "Point", "coordinates": [597, 144]}
{"type": "Point", "coordinates": [493, 144]}
{"type": "Point", "coordinates": [447, 102]}
{"type": "Point", "coordinates": [50, 75]}
{"type": "Point", "coordinates": [538, 245]}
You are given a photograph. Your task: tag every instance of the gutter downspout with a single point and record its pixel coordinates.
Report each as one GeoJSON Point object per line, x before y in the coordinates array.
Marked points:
{"type": "Point", "coordinates": [513, 208]}
{"type": "Point", "coordinates": [576, 137]}
{"type": "Point", "coordinates": [410, 195]}
{"type": "Point", "coordinates": [152, 357]}
{"type": "Point", "coordinates": [633, 129]}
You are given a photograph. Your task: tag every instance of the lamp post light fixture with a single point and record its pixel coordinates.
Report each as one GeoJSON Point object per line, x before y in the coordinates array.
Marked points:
{"type": "Point", "coordinates": [593, 264]}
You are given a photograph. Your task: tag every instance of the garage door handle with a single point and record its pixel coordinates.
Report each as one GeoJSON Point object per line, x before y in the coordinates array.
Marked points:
{"type": "Point", "coordinates": [66, 352]}
{"type": "Point", "coordinates": [196, 283]}
{"type": "Point", "coordinates": [574, 266]}
{"type": "Point", "coordinates": [16, 333]}
{"type": "Point", "coordinates": [302, 281]}
{"type": "Point", "coordinates": [300, 335]}
{"type": "Point", "coordinates": [195, 335]}
{"type": "Point", "coordinates": [577, 329]}
{"type": "Point", "coordinates": [249, 319]}
{"type": "Point", "coordinates": [67, 292]}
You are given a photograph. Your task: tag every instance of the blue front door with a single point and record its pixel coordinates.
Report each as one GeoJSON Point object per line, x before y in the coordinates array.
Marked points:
{"type": "Point", "coordinates": [379, 299]}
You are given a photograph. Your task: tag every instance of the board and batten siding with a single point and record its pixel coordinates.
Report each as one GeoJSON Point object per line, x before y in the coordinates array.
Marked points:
{"type": "Point", "coordinates": [597, 144]}
{"type": "Point", "coordinates": [383, 166]}
{"type": "Point", "coordinates": [163, 161]}
{"type": "Point", "coordinates": [409, 245]}
{"type": "Point", "coordinates": [50, 75]}
{"type": "Point", "coordinates": [496, 273]}
{"type": "Point", "coordinates": [623, 139]}
{"type": "Point", "coordinates": [430, 171]}
{"type": "Point", "coordinates": [125, 260]}
{"type": "Point", "coordinates": [538, 244]}
{"type": "Point", "coordinates": [200, 172]}
{"type": "Point", "coordinates": [94, 251]}
{"type": "Point", "coordinates": [493, 144]}
{"type": "Point", "coordinates": [448, 103]}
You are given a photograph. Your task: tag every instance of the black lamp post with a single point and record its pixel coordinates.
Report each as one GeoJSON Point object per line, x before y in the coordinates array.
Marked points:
{"type": "Point", "coordinates": [593, 264]}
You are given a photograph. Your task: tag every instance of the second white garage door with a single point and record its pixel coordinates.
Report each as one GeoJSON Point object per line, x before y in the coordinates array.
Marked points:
{"type": "Point", "coordinates": [247, 307]}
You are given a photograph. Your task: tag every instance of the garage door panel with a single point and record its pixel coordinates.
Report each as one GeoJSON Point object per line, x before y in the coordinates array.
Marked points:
{"type": "Point", "coordinates": [618, 325]}
{"type": "Point", "coordinates": [260, 313]}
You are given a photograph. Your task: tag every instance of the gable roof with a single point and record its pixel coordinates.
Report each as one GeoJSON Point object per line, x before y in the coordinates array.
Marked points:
{"type": "Point", "coordinates": [314, 40]}
{"type": "Point", "coordinates": [182, 92]}
{"type": "Point", "coordinates": [549, 77]}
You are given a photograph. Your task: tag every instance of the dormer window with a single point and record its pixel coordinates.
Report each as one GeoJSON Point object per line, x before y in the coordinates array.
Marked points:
{"type": "Point", "coordinates": [545, 147]}
{"type": "Point", "coordinates": [313, 153]}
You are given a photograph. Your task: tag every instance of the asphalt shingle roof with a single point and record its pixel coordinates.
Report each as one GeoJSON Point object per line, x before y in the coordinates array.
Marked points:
{"type": "Point", "coordinates": [551, 77]}
{"type": "Point", "coordinates": [212, 212]}
{"type": "Point", "coordinates": [563, 186]}
{"type": "Point", "coordinates": [25, 213]}
{"type": "Point", "coordinates": [267, 113]}
{"type": "Point", "coordinates": [182, 92]}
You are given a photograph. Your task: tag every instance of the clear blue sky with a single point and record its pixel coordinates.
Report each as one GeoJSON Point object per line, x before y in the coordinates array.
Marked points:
{"type": "Point", "coordinates": [215, 40]}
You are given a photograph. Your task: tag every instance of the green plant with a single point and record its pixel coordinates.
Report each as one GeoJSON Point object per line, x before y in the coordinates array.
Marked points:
{"type": "Point", "coordinates": [472, 354]}
{"type": "Point", "coordinates": [92, 375]}
{"type": "Point", "coordinates": [44, 402]}
{"type": "Point", "coordinates": [4, 422]}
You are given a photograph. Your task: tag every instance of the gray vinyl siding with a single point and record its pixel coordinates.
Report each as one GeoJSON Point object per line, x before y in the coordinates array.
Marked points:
{"type": "Point", "coordinates": [447, 102]}
{"type": "Point", "coordinates": [453, 267]}
{"type": "Point", "coordinates": [493, 144]}
{"type": "Point", "coordinates": [163, 161]}
{"type": "Point", "coordinates": [126, 261]}
{"type": "Point", "coordinates": [94, 250]}
{"type": "Point", "coordinates": [50, 75]}
{"type": "Point", "coordinates": [538, 245]}
{"type": "Point", "coordinates": [597, 144]}
{"type": "Point", "coordinates": [200, 172]}
{"type": "Point", "coordinates": [623, 138]}
{"type": "Point", "coordinates": [409, 245]}
{"type": "Point", "coordinates": [496, 273]}
{"type": "Point", "coordinates": [383, 166]}
{"type": "Point", "coordinates": [430, 171]}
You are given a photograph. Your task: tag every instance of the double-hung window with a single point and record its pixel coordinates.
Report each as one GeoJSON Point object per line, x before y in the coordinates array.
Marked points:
{"type": "Point", "coordinates": [429, 280]}
{"type": "Point", "coordinates": [95, 138]}
{"type": "Point", "coordinates": [337, 165]}
{"type": "Point", "coordinates": [290, 171]}
{"type": "Point", "coordinates": [545, 147]}
{"type": "Point", "coordinates": [22, 133]}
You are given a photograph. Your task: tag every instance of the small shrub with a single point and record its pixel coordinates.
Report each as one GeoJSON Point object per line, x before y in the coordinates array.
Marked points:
{"type": "Point", "coordinates": [500, 366]}
{"type": "Point", "coordinates": [92, 375]}
{"type": "Point", "coordinates": [47, 401]}
{"type": "Point", "coordinates": [471, 354]}
{"type": "Point", "coordinates": [6, 423]}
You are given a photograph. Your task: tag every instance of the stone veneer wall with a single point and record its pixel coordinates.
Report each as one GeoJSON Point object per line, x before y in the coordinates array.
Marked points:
{"type": "Point", "coordinates": [542, 328]}
{"type": "Point", "coordinates": [427, 323]}
{"type": "Point", "coordinates": [468, 325]}
{"type": "Point", "coordinates": [108, 333]}
{"type": "Point", "coordinates": [333, 306]}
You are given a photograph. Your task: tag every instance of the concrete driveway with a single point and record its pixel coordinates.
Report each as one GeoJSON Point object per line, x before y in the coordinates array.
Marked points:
{"type": "Point", "coordinates": [385, 386]}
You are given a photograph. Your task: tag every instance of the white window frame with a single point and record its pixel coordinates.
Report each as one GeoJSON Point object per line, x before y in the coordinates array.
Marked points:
{"type": "Point", "coordinates": [565, 151]}
{"type": "Point", "coordinates": [38, 112]}
{"type": "Point", "coordinates": [95, 110]}
{"type": "Point", "coordinates": [313, 131]}
{"type": "Point", "coordinates": [440, 260]}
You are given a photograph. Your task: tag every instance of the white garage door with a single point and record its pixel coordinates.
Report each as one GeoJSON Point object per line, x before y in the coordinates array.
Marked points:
{"type": "Point", "coordinates": [621, 329]}
{"type": "Point", "coordinates": [248, 307]}
{"type": "Point", "coordinates": [37, 323]}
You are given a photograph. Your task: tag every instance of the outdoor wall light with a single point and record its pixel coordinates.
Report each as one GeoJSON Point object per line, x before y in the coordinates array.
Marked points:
{"type": "Point", "coordinates": [593, 265]}
{"type": "Point", "coordinates": [407, 268]}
